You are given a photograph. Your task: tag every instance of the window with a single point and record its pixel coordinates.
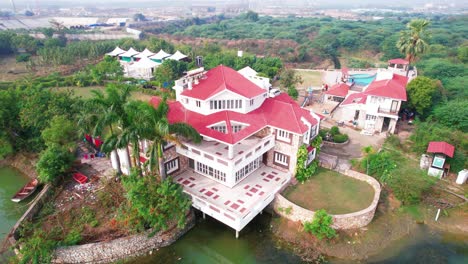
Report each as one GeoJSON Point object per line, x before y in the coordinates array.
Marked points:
{"type": "Point", "coordinates": [198, 103]}
{"type": "Point", "coordinates": [313, 132]}
{"type": "Point", "coordinates": [283, 135]}
{"type": "Point", "coordinates": [281, 160]}
{"type": "Point", "coordinates": [236, 128]}
{"type": "Point", "coordinates": [247, 169]}
{"type": "Point", "coordinates": [371, 117]}
{"type": "Point", "coordinates": [252, 102]}
{"type": "Point", "coordinates": [209, 171]}
{"type": "Point", "coordinates": [172, 165]}
{"type": "Point", "coordinates": [225, 104]}
{"type": "Point", "coordinates": [221, 129]}
{"type": "Point", "coordinates": [185, 101]}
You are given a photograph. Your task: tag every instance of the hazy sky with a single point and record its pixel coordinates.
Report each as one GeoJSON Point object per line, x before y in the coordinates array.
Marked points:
{"type": "Point", "coordinates": [21, 4]}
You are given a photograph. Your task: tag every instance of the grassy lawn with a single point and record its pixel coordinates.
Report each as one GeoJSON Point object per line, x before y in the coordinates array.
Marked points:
{"type": "Point", "coordinates": [311, 78]}
{"type": "Point", "coordinates": [85, 92]}
{"type": "Point", "coordinates": [329, 190]}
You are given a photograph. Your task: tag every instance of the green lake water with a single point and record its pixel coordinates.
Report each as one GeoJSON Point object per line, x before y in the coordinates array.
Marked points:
{"type": "Point", "coordinates": [11, 181]}
{"type": "Point", "coordinates": [211, 242]}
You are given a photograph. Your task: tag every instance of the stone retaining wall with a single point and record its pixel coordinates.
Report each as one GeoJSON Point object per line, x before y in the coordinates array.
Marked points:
{"type": "Point", "coordinates": [328, 143]}
{"type": "Point", "coordinates": [293, 212]}
{"type": "Point", "coordinates": [121, 248]}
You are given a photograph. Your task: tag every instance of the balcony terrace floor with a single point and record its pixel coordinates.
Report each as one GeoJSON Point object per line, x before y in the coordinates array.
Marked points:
{"type": "Point", "coordinates": [238, 202]}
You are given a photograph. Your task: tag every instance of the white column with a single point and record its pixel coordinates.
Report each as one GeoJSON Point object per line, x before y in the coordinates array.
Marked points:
{"type": "Point", "coordinates": [237, 234]}
{"type": "Point", "coordinates": [114, 159]}
{"type": "Point", "coordinates": [124, 160]}
{"type": "Point", "coordinates": [231, 152]}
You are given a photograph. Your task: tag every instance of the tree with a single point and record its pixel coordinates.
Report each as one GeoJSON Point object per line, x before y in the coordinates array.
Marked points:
{"type": "Point", "coordinates": [61, 132]}
{"type": "Point", "coordinates": [421, 91]}
{"type": "Point", "coordinates": [5, 146]}
{"type": "Point", "coordinates": [157, 204]}
{"type": "Point", "coordinates": [23, 41]}
{"type": "Point", "coordinates": [53, 162]}
{"type": "Point", "coordinates": [252, 16]}
{"type": "Point", "coordinates": [453, 114]}
{"type": "Point", "coordinates": [160, 132]}
{"type": "Point", "coordinates": [389, 49]}
{"type": "Point", "coordinates": [413, 41]}
{"type": "Point", "coordinates": [289, 79]}
{"type": "Point", "coordinates": [463, 54]}
{"type": "Point", "coordinates": [320, 226]}
{"type": "Point", "coordinates": [107, 111]}
{"type": "Point", "coordinates": [139, 17]}
{"type": "Point", "coordinates": [169, 71]}
{"type": "Point", "coordinates": [48, 32]}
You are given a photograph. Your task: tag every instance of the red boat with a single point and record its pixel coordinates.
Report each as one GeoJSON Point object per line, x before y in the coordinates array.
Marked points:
{"type": "Point", "coordinates": [80, 178]}
{"type": "Point", "coordinates": [26, 191]}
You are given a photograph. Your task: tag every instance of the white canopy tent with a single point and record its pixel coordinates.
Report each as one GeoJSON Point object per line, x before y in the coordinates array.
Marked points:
{"type": "Point", "coordinates": [127, 56]}
{"type": "Point", "coordinates": [177, 56]}
{"type": "Point", "coordinates": [142, 69]}
{"type": "Point", "coordinates": [146, 53]}
{"type": "Point", "coordinates": [160, 56]}
{"type": "Point", "coordinates": [116, 52]}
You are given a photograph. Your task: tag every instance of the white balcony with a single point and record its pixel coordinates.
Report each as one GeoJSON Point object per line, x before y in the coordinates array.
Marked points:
{"type": "Point", "coordinates": [236, 206]}
{"type": "Point", "coordinates": [217, 154]}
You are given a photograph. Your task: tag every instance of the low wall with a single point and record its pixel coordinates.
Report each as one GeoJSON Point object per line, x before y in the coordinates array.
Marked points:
{"type": "Point", "coordinates": [357, 219]}
{"type": "Point", "coordinates": [121, 248]}
{"type": "Point", "coordinates": [328, 143]}
{"type": "Point", "coordinates": [36, 205]}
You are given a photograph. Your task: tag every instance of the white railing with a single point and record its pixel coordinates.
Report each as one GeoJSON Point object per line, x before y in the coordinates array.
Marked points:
{"type": "Point", "coordinates": [261, 147]}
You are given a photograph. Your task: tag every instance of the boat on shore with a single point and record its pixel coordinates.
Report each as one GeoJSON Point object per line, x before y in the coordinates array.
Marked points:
{"type": "Point", "coordinates": [80, 178]}
{"type": "Point", "coordinates": [26, 191]}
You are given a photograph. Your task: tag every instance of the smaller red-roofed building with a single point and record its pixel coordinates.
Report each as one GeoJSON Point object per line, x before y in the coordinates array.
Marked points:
{"type": "Point", "coordinates": [375, 109]}
{"type": "Point", "coordinates": [440, 150]}
{"type": "Point", "coordinates": [337, 92]}
{"type": "Point", "coordinates": [398, 65]}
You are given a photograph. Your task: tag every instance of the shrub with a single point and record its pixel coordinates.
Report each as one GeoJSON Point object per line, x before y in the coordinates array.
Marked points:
{"type": "Point", "coordinates": [320, 226]}
{"type": "Point", "coordinates": [334, 131]}
{"type": "Point", "coordinates": [411, 185]}
{"type": "Point", "coordinates": [53, 162]}
{"type": "Point", "coordinates": [73, 237]}
{"type": "Point", "coordinates": [23, 57]}
{"type": "Point", "coordinates": [340, 138]}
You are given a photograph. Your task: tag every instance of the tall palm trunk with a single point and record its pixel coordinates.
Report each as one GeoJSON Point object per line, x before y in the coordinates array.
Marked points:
{"type": "Point", "coordinates": [162, 169]}
{"type": "Point", "coordinates": [117, 157]}
{"type": "Point", "coordinates": [136, 156]}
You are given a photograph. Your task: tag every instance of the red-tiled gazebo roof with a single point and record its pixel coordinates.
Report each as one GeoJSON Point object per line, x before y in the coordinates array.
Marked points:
{"type": "Point", "coordinates": [441, 147]}
{"type": "Point", "coordinates": [398, 61]}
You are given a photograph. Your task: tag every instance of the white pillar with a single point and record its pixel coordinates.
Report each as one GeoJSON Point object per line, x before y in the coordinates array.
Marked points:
{"type": "Point", "coordinates": [204, 217]}
{"type": "Point", "coordinates": [237, 234]}
{"type": "Point", "coordinates": [231, 151]}
{"type": "Point", "coordinates": [114, 159]}
{"type": "Point", "coordinates": [124, 160]}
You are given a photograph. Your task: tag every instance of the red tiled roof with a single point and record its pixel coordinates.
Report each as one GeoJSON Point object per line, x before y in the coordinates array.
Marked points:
{"type": "Point", "coordinates": [441, 147]}
{"type": "Point", "coordinates": [398, 61]}
{"type": "Point", "coordinates": [281, 112]}
{"type": "Point", "coordinates": [393, 88]}
{"type": "Point", "coordinates": [355, 98]}
{"type": "Point", "coordinates": [339, 89]}
{"type": "Point", "coordinates": [220, 79]}
{"type": "Point", "coordinates": [345, 71]}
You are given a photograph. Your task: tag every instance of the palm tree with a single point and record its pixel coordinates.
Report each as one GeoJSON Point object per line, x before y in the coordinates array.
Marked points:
{"type": "Point", "coordinates": [110, 114]}
{"type": "Point", "coordinates": [413, 41]}
{"type": "Point", "coordinates": [160, 132]}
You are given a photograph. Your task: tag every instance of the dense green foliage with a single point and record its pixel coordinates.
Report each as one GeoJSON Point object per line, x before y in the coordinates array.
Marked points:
{"type": "Point", "coordinates": [169, 71]}
{"type": "Point", "coordinates": [157, 205]}
{"type": "Point", "coordinates": [333, 134]}
{"type": "Point", "coordinates": [53, 162]}
{"type": "Point", "coordinates": [453, 114]}
{"type": "Point", "coordinates": [421, 92]}
{"type": "Point", "coordinates": [303, 170]}
{"type": "Point", "coordinates": [434, 131]}
{"type": "Point", "coordinates": [390, 167]}
{"type": "Point", "coordinates": [61, 132]}
{"type": "Point", "coordinates": [320, 226]}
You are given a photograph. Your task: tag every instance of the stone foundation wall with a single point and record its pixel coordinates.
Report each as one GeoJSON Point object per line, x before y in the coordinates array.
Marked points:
{"type": "Point", "coordinates": [121, 248]}
{"type": "Point", "coordinates": [293, 212]}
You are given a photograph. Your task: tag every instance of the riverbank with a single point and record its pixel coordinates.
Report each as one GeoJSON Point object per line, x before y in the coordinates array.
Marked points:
{"type": "Point", "coordinates": [24, 162]}
{"type": "Point", "coordinates": [391, 223]}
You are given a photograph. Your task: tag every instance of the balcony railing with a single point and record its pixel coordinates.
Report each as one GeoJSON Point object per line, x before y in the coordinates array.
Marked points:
{"type": "Point", "coordinates": [386, 111]}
